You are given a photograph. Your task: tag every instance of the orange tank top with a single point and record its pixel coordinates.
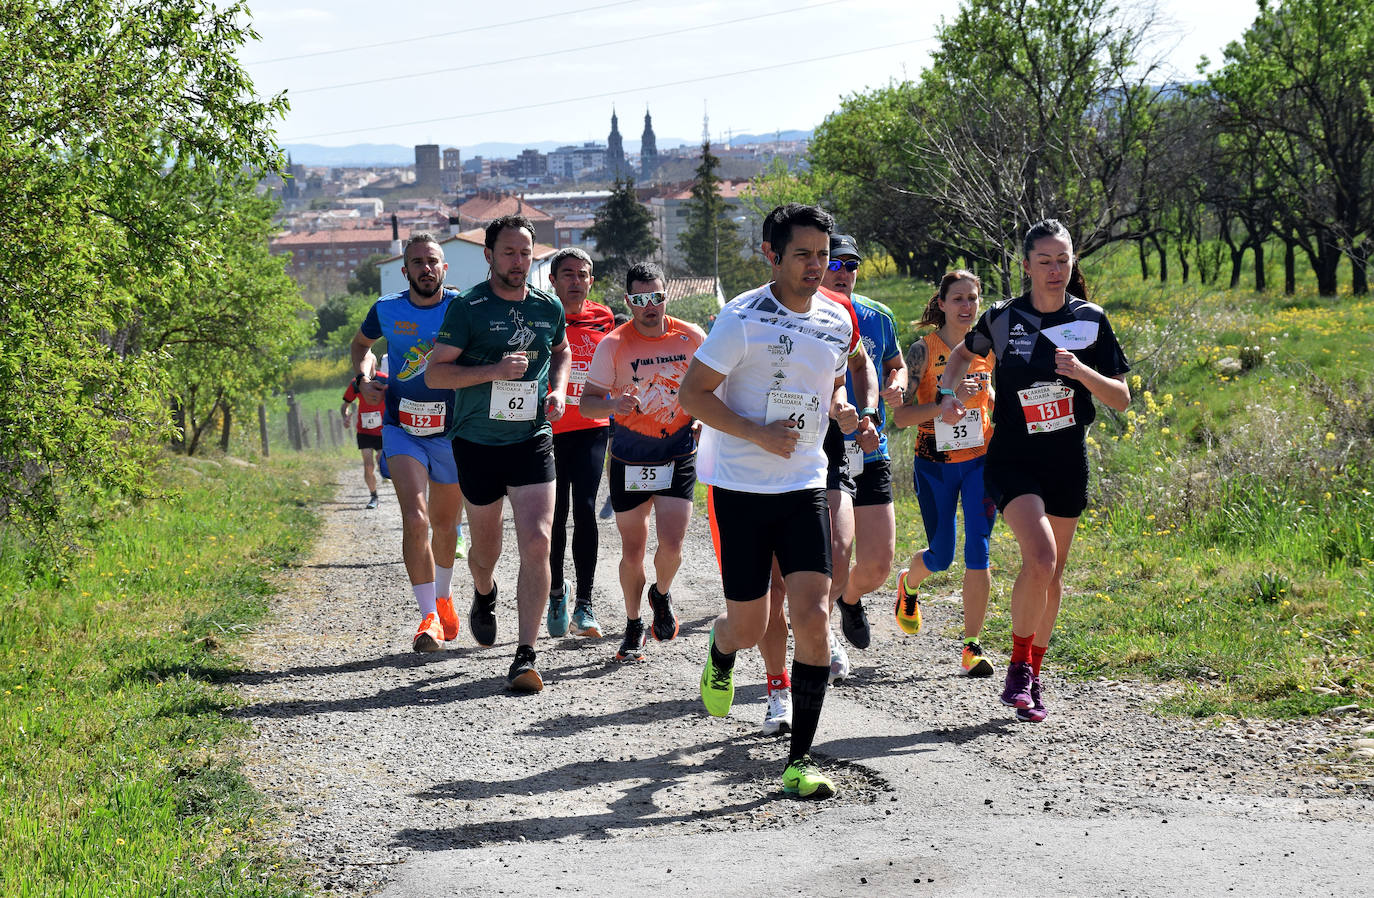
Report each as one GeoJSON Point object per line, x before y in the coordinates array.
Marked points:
{"type": "Point", "coordinates": [937, 354]}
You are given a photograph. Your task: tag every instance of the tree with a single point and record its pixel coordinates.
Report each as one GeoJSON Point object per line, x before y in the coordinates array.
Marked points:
{"type": "Point", "coordinates": [623, 230]}
{"type": "Point", "coordinates": [711, 242]}
{"type": "Point", "coordinates": [96, 231]}
{"type": "Point", "coordinates": [367, 277]}
{"type": "Point", "coordinates": [1298, 83]}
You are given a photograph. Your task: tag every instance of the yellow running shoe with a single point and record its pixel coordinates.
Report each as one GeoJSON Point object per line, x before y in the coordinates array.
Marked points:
{"type": "Point", "coordinates": [802, 779]}
{"type": "Point", "coordinates": [973, 663]}
{"type": "Point", "coordinates": [907, 608]}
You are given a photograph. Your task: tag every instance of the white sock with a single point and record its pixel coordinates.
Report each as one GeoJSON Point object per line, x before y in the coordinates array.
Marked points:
{"type": "Point", "coordinates": [443, 581]}
{"type": "Point", "coordinates": [424, 597]}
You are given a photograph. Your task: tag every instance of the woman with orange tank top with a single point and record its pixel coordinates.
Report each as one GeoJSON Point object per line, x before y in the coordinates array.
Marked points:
{"type": "Point", "coordinates": [949, 464]}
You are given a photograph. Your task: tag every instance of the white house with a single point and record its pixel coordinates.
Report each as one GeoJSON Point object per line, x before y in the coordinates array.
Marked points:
{"type": "Point", "coordinates": [467, 265]}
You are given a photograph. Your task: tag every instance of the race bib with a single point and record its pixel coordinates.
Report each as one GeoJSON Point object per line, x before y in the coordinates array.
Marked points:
{"type": "Point", "coordinates": [1047, 407]}
{"type": "Point", "coordinates": [967, 434]}
{"type": "Point", "coordinates": [421, 419]}
{"type": "Point", "coordinates": [802, 410]}
{"type": "Point", "coordinates": [513, 400]}
{"type": "Point", "coordinates": [648, 478]}
{"type": "Point", "coordinates": [370, 420]}
{"type": "Point", "coordinates": [577, 382]}
{"type": "Point", "coordinates": [853, 457]}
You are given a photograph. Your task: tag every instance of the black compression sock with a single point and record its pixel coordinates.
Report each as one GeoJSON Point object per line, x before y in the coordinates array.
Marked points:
{"type": "Point", "coordinates": [722, 661]}
{"type": "Point", "coordinates": [808, 694]}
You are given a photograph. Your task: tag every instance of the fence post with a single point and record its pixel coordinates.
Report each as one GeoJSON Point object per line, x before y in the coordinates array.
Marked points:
{"type": "Point", "coordinates": [319, 431]}
{"type": "Point", "coordinates": [262, 428]}
{"type": "Point", "coordinates": [293, 422]}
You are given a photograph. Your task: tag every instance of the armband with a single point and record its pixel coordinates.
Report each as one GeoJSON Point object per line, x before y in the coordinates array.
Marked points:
{"type": "Point", "coordinates": [869, 412]}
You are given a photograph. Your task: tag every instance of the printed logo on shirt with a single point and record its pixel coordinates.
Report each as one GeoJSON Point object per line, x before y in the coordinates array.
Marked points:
{"type": "Point", "coordinates": [523, 335]}
{"type": "Point", "coordinates": [784, 346]}
{"type": "Point", "coordinates": [416, 360]}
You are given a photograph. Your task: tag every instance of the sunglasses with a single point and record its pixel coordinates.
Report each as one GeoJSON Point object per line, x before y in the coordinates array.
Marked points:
{"type": "Point", "coordinates": [846, 264]}
{"type": "Point", "coordinates": [657, 298]}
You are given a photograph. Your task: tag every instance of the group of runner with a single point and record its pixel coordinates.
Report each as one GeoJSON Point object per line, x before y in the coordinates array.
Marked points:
{"type": "Point", "coordinates": [505, 391]}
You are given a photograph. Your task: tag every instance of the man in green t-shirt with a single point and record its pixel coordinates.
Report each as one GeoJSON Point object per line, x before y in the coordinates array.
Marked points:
{"type": "Point", "coordinates": [502, 347]}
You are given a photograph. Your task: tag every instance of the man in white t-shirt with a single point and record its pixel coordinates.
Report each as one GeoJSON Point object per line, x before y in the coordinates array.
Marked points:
{"type": "Point", "coordinates": [765, 384]}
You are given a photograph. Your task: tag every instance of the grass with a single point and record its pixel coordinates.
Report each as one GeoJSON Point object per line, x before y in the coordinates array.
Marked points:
{"type": "Point", "coordinates": [117, 773]}
{"type": "Point", "coordinates": [1229, 542]}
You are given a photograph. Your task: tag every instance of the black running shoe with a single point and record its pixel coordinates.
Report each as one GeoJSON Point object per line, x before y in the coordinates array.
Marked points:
{"type": "Point", "coordinates": [632, 646]}
{"type": "Point", "coordinates": [854, 623]}
{"type": "Point", "coordinates": [665, 621]}
{"type": "Point", "coordinates": [482, 617]}
{"type": "Point", "coordinates": [522, 676]}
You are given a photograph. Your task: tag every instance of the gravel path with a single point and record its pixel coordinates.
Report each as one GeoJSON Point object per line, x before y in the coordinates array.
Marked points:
{"type": "Point", "coordinates": [419, 775]}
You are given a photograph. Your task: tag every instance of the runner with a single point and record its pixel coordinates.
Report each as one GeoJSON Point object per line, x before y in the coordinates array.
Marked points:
{"type": "Point", "coordinates": [636, 374]}
{"type": "Point", "coordinates": [875, 525]}
{"type": "Point", "coordinates": [502, 347]}
{"type": "Point", "coordinates": [420, 459]}
{"type": "Point", "coordinates": [579, 449]}
{"type": "Point", "coordinates": [1054, 352]}
{"type": "Point", "coordinates": [762, 383]}
{"type": "Point", "coordinates": [368, 426]}
{"type": "Point", "coordinates": [949, 466]}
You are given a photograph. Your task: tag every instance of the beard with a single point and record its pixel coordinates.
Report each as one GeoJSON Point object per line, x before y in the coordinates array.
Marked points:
{"type": "Point", "coordinates": [421, 291]}
{"type": "Point", "coordinates": [513, 280]}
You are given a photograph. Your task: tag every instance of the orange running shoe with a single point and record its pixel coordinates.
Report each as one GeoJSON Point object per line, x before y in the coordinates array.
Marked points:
{"type": "Point", "coordinates": [448, 617]}
{"type": "Point", "coordinates": [907, 608]}
{"type": "Point", "coordinates": [430, 634]}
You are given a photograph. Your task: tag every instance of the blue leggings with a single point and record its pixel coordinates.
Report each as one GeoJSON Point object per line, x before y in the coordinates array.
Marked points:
{"type": "Point", "coordinates": [938, 487]}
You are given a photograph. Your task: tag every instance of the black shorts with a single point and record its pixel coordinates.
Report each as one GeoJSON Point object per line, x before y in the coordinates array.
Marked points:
{"type": "Point", "coordinates": [873, 486]}
{"type": "Point", "coordinates": [682, 485]}
{"type": "Point", "coordinates": [485, 472]}
{"type": "Point", "coordinates": [753, 527]}
{"type": "Point", "coordinates": [837, 475]}
{"type": "Point", "coordinates": [1061, 479]}
{"type": "Point", "coordinates": [370, 441]}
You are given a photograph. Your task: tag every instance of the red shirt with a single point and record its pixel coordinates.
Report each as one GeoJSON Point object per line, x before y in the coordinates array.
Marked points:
{"type": "Point", "coordinates": [843, 300]}
{"type": "Point", "coordinates": [368, 414]}
{"type": "Point", "coordinates": [585, 330]}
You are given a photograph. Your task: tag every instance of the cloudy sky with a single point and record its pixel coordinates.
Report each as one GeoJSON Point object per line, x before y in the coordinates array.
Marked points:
{"type": "Point", "coordinates": [462, 73]}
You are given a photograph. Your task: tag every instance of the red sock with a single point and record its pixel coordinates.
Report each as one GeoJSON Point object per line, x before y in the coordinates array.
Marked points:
{"type": "Point", "coordinates": [1037, 657]}
{"type": "Point", "coordinates": [778, 681]}
{"type": "Point", "coordinates": [1021, 648]}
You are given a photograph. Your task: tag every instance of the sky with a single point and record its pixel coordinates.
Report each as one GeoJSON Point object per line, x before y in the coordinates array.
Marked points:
{"type": "Point", "coordinates": [459, 74]}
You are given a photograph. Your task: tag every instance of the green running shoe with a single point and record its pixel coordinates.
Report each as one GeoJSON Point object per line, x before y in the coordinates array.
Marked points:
{"type": "Point", "coordinates": [717, 686]}
{"type": "Point", "coordinates": [802, 779]}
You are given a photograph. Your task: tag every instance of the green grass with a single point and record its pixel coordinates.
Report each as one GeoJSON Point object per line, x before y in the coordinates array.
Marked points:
{"type": "Point", "coordinates": [117, 772]}
{"type": "Point", "coordinates": [1230, 539]}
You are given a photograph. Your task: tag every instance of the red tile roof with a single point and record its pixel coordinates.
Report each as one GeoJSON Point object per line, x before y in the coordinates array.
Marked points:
{"type": "Point", "coordinates": [491, 208]}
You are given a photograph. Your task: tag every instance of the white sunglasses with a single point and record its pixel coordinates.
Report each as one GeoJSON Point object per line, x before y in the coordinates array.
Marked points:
{"type": "Point", "coordinates": [657, 298]}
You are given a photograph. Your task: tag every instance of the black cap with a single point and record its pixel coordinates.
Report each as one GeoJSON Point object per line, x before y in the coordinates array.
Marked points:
{"type": "Point", "coordinates": [843, 245]}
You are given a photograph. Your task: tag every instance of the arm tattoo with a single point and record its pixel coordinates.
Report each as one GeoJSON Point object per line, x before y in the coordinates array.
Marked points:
{"type": "Point", "coordinates": [915, 369]}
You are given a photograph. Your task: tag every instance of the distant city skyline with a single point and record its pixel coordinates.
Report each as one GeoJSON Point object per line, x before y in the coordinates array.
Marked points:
{"type": "Point", "coordinates": [471, 77]}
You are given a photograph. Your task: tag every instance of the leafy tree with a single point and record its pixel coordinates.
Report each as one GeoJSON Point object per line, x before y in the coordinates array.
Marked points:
{"type": "Point", "coordinates": [367, 277]}
{"type": "Point", "coordinates": [107, 108]}
{"type": "Point", "coordinates": [711, 241]}
{"type": "Point", "coordinates": [1298, 86]}
{"type": "Point", "coordinates": [623, 231]}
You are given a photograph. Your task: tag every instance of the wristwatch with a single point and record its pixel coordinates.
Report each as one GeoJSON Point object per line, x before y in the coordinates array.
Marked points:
{"type": "Point", "coordinates": [869, 412]}
{"type": "Point", "coordinates": [941, 393]}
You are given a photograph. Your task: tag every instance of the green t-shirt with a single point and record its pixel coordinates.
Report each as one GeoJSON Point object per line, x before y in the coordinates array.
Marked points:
{"type": "Point", "coordinates": [487, 328]}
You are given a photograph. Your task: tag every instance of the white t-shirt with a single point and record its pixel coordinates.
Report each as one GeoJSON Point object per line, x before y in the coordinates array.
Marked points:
{"type": "Point", "coordinates": [762, 348]}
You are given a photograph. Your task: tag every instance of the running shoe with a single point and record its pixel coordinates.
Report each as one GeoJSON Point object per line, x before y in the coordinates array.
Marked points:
{"type": "Point", "coordinates": [803, 779]}
{"type": "Point", "coordinates": [482, 617]}
{"type": "Point", "coordinates": [665, 621]}
{"type": "Point", "coordinates": [1017, 691]}
{"type": "Point", "coordinates": [584, 621]}
{"type": "Point", "coordinates": [907, 608]}
{"type": "Point", "coordinates": [778, 717]}
{"type": "Point", "coordinates": [1037, 712]}
{"type": "Point", "coordinates": [430, 634]}
{"type": "Point", "coordinates": [522, 676]}
{"type": "Point", "coordinates": [839, 660]}
{"type": "Point", "coordinates": [558, 613]}
{"type": "Point", "coordinates": [448, 617]}
{"type": "Point", "coordinates": [854, 623]}
{"type": "Point", "coordinates": [607, 512]}
{"type": "Point", "coordinates": [460, 548]}
{"type": "Point", "coordinates": [974, 664]}
{"type": "Point", "coordinates": [717, 686]}
{"type": "Point", "coordinates": [372, 502]}
{"type": "Point", "coordinates": [632, 646]}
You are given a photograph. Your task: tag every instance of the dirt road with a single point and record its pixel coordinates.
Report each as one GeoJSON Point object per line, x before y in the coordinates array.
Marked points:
{"type": "Point", "coordinates": [418, 775]}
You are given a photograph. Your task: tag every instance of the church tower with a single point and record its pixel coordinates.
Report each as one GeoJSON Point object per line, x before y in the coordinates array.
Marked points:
{"type": "Point", "coordinates": [615, 150]}
{"type": "Point", "coordinates": [648, 150]}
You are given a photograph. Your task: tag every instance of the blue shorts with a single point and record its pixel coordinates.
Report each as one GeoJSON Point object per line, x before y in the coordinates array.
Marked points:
{"type": "Point", "coordinates": [939, 488]}
{"type": "Point", "coordinates": [435, 453]}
